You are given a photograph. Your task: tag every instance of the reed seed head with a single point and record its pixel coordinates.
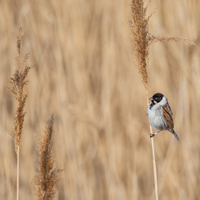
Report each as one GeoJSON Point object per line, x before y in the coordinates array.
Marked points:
{"type": "Point", "coordinates": [48, 176]}
{"type": "Point", "coordinates": [141, 42]}
{"type": "Point", "coordinates": [142, 39]}
{"type": "Point", "coordinates": [18, 81]}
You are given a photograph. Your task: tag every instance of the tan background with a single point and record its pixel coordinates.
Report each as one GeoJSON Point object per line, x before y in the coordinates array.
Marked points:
{"type": "Point", "coordinates": [88, 78]}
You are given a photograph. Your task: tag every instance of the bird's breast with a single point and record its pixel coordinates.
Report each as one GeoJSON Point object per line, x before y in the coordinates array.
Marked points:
{"type": "Point", "coordinates": [156, 117]}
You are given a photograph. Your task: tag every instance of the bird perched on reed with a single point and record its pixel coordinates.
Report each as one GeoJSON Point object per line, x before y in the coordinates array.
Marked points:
{"type": "Point", "coordinates": [160, 115]}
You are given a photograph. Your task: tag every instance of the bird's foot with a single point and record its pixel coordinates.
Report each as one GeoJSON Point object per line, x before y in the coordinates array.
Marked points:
{"type": "Point", "coordinates": [152, 135]}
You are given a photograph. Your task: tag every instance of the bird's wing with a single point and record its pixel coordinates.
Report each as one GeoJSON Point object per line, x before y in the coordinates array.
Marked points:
{"type": "Point", "coordinates": [167, 112]}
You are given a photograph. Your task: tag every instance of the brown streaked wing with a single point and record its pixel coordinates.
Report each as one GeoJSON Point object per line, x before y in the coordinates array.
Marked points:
{"type": "Point", "coordinates": [167, 112]}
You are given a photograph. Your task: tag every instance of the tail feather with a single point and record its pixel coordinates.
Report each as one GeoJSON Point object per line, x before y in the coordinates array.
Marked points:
{"type": "Point", "coordinates": [176, 136]}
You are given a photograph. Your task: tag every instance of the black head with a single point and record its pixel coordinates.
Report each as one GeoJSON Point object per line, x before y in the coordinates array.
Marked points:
{"type": "Point", "coordinates": [157, 97]}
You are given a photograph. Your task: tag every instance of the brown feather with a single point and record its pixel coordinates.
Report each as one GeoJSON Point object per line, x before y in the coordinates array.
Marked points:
{"type": "Point", "coordinates": [167, 112]}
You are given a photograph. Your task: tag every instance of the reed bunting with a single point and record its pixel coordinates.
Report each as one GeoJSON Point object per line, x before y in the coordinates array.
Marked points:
{"type": "Point", "coordinates": [160, 114]}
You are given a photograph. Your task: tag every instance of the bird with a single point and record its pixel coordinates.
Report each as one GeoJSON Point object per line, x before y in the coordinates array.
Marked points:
{"type": "Point", "coordinates": [160, 115]}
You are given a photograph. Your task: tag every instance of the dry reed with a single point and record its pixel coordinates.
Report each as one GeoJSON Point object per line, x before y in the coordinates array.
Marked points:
{"type": "Point", "coordinates": [48, 176]}
{"type": "Point", "coordinates": [18, 81]}
{"type": "Point", "coordinates": [142, 40]}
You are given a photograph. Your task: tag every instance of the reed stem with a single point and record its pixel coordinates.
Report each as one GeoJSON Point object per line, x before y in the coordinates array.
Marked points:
{"type": "Point", "coordinates": [154, 157]}
{"type": "Point", "coordinates": [18, 172]}
{"type": "Point", "coordinates": [154, 166]}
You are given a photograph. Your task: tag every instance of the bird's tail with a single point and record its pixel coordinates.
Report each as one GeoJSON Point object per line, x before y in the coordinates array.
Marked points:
{"type": "Point", "coordinates": [176, 136]}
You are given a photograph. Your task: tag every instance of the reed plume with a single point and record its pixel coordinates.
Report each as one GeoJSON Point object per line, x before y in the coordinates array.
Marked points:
{"type": "Point", "coordinates": [48, 176]}
{"type": "Point", "coordinates": [18, 81]}
{"type": "Point", "coordinates": [141, 39]}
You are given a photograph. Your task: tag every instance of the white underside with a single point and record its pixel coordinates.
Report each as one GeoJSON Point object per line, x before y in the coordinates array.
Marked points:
{"type": "Point", "coordinates": [156, 118]}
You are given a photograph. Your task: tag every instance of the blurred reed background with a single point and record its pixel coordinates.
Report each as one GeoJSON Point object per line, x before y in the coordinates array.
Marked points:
{"type": "Point", "coordinates": [88, 78]}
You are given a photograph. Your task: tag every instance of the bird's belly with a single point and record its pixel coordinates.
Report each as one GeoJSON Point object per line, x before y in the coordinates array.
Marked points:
{"type": "Point", "coordinates": [157, 121]}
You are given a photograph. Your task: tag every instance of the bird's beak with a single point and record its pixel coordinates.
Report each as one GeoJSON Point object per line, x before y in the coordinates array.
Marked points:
{"type": "Point", "coordinates": [151, 99]}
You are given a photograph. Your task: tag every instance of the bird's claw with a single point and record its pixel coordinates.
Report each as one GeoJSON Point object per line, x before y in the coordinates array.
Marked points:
{"type": "Point", "coordinates": [151, 135]}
